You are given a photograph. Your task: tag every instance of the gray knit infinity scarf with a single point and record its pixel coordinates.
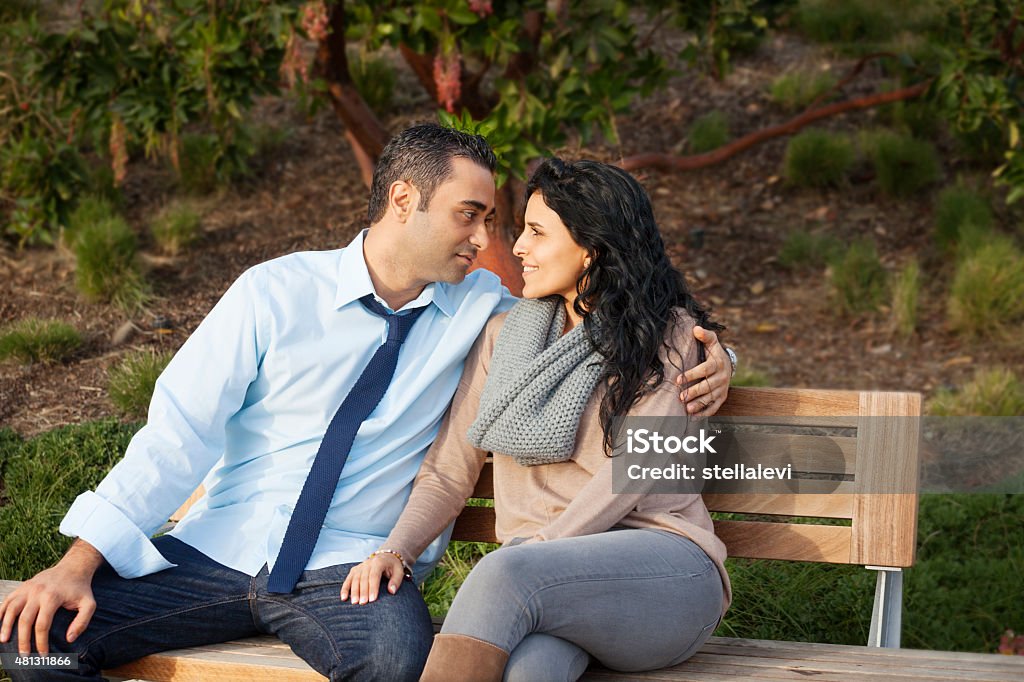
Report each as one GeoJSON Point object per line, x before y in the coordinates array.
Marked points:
{"type": "Point", "coordinates": [539, 382]}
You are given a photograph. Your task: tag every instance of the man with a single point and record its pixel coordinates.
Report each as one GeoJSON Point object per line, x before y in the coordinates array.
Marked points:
{"type": "Point", "coordinates": [298, 489]}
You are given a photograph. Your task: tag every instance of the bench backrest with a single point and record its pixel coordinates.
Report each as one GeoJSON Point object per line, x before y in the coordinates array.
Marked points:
{"type": "Point", "coordinates": [870, 454]}
{"type": "Point", "coordinates": [847, 443]}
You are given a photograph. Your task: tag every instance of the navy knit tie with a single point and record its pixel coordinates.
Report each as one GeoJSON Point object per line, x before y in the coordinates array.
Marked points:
{"type": "Point", "coordinates": [311, 508]}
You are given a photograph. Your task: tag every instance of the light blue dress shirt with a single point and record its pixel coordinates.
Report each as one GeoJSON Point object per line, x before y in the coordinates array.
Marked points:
{"type": "Point", "coordinates": [243, 405]}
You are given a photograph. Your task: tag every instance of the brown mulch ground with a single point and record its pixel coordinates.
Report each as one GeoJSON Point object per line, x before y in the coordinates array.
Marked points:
{"type": "Point", "coordinates": [308, 194]}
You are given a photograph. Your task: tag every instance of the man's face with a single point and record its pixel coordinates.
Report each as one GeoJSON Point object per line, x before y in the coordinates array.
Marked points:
{"type": "Point", "coordinates": [443, 241]}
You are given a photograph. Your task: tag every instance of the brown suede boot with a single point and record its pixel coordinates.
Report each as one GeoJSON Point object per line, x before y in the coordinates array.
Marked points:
{"type": "Point", "coordinates": [455, 658]}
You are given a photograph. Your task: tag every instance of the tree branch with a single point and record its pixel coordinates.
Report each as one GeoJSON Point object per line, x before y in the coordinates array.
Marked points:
{"type": "Point", "coordinates": [671, 162]}
{"type": "Point", "coordinates": [364, 131]}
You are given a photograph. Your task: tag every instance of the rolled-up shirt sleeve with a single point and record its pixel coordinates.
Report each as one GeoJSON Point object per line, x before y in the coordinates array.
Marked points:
{"type": "Point", "coordinates": [202, 387]}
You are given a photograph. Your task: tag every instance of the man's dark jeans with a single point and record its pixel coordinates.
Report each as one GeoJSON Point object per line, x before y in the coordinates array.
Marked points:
{"type": "Point", "coordinates": [202, 602]}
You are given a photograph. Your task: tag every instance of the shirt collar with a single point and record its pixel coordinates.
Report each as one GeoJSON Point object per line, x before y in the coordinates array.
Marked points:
{"type": "Point", "coordinates": [354, 282]}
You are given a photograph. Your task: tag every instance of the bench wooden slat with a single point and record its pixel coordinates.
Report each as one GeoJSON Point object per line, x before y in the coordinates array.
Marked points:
{"type": "Point", "coordinates": [475, 524]}
{"type": "Point", "coordinates": [841, 406]}
{"type": "Point", "coordinates": [791, 541]}
{"type": "Point", "coordinates": [816, 651]}
{"type": "Point", "coordinates": [885, 525]}
{"type": "Point", "coordinates": [830, 506]}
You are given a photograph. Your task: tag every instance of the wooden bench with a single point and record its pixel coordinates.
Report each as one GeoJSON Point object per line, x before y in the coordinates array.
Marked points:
{"type": "Point", "coordinates": [790, 426]}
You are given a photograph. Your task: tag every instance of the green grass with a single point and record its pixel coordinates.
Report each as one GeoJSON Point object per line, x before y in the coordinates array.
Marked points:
{"type": "Point", "coordinates": [992, 392]}
{"type": "Point", "coordinates": [36, 340]}
{"type": "Point", "coordinates": [906, 289]}
{"type": "Point", "coordinates": [987, 296]}
{"type": "Point", "coordinates": [817, 158]}
{"type": "Point", "coordinates": [803, 250]}
{"type": "Point", "coordinates": [863, 26]}
{"type": "Point", "coordinates": [859, 282]}
{"type": "Point", "coordinates": [131, 382]}
{"type": "Point", "coordinates": [797, 90]}
{"type": "Point", "coordinates": [91, 210]}
{"type": "Point", "coordinates": [41, 478]}
{"type": "Point", "coordinates": [845, 22]}
{"type": "Point", "coordinates": [961, 212]}
{"type": "Point", "coordinates": [903, 165]}
{"type": "Point", "coordinates": [105, 264]}
{"type": "Point", "coordinates": [708, 132]}
{"type": "Point", "coordinates": [176, 227]}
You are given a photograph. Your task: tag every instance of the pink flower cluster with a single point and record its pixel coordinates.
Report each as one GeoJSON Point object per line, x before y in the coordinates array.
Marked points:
{"type": "Point", "coordinates": [314, 20]}
{"type": "Point", "coordinates": [481, 7]}
{"type": "Point", "coordinates": [447, 75]}
{"type": "Point", "coordinates": [1011, 644]}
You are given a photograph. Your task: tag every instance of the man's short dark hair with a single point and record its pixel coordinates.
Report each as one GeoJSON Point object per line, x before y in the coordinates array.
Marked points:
{"type": "Point", "coordinates": [422, 155]}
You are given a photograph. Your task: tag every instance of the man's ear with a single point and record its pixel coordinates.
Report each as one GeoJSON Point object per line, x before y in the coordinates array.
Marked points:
{"type": "Point", "coordinates": [403, 198]}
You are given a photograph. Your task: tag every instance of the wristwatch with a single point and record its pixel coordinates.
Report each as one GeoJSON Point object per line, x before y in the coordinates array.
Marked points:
{"type": "Point", "coordinates": [732, 358]}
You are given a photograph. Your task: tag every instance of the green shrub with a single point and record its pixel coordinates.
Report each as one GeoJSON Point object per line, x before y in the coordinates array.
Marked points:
{"type": "Point", "coordinates": [105, 264]}
{"type": "Point", "coordinates": [816, 158]}
{"type": "Point", "coordinates": [374, 78]}
{"type": "Point", "coordinates": [708, 132]}
{"type": "Point", "coordinates": [986, 144]}
{"type": "Point", "coordinates": [804, 249]}
{"type": "Point", "coordinates": [91, 209]}
{"type": "Point", "coordinates": [131, 382]}
{"type": "Point", "coordinates": [918, 119]}
{"type": "Point", "coordinates": [847, 22]}
{"type": "Point", "coordinates": [858, 280]}
{"type": "Point", "coordinates": [42, 477]}
{"type": "Point", "coordinates": [905, 291]}
{"type": "Point", "coordinates": [959, 211]}
{"type": "Point", "coordinates": [902, 164]}
{"type": "Point", "coordinates": [42, 173]}
{"type": "Point", "coordinates": [992, 392]}
{"type": "Point", "coordinates": [796, 90]}
{"type": "Point", "coordinates": [175, 227]}
{"type": "Point", "coordinates": [987, 296]}
{"type": "Point", "coordinates": [197, 163]}
{"type": "Point", "coordinates": [35, 340]}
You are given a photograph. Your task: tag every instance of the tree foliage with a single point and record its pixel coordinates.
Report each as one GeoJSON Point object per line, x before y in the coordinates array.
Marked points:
{"type": "Point", "coordinates": [131, 76]}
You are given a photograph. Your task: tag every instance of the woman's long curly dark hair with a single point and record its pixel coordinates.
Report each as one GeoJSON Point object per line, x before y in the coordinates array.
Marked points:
{"type": "Point", "coordinates": [630, 285]}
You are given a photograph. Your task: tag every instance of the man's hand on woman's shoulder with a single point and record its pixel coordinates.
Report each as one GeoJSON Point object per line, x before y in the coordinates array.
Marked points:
{"type": "Point", "coordinates": [706, 386]}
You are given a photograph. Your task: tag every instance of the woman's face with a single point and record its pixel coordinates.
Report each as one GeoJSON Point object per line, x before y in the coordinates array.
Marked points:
{"type": "Point", "coordinates": [552, 261]}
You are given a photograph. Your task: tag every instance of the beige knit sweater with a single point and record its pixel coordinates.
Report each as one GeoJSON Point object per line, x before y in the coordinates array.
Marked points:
{"type": "Point", "coordinates": [551, 501]}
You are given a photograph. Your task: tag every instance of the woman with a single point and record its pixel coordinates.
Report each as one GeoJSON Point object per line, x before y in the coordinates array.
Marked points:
{"type": "Point", "coordinates": [634, 580]}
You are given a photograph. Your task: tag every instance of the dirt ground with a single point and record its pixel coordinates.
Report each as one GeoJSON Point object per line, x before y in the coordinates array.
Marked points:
{"type": "Point", "coordinates": [307, 194]}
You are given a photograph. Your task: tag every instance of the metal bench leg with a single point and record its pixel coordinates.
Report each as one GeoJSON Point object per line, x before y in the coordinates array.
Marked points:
{"type": "Point", "coordinates": [887, 614]}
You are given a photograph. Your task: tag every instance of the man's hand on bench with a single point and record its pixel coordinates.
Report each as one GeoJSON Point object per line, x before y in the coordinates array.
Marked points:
{"type": "Point", "coordinates": [67, 584]}
{"type": "Point", "coordinates": [706, 386]}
